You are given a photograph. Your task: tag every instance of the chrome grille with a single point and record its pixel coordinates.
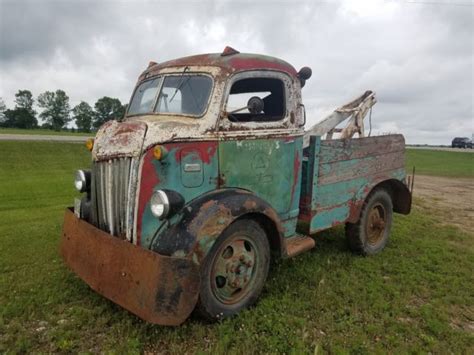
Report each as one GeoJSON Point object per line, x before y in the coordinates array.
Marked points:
{"type": "Point", "coordinates": [111, 194]}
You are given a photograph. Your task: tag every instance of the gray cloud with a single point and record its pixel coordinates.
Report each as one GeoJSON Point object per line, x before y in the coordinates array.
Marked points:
{"type": "Point", "coordinates": [418, 58]}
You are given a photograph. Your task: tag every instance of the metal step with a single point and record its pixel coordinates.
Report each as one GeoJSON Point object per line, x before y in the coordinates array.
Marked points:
{"type": "Point", "coordinates": [298, 244]}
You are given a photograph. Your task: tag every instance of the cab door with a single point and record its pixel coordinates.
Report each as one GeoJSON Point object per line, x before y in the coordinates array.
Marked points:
{"type": "Point", "coordinates": [260, 147]}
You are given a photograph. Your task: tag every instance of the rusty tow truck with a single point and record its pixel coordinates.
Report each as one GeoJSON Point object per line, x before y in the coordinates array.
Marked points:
{"type": "Point", "coordinates": [211, 174]}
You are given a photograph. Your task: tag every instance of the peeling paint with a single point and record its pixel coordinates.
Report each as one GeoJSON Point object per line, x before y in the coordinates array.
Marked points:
{"type": "Point", "coordinates": [222, 170]}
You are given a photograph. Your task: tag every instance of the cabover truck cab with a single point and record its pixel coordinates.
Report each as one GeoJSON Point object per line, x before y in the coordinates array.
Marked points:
{"type": "Point", "coordinates": [210, 176]}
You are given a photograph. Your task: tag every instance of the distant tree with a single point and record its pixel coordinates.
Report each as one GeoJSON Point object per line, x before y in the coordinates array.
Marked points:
{"type": "Point", "coordinates": [3, 117]}
{"type": "Point", "coordinates": [20, 118]}
{"type": "Point", "coordinates": [107, 109]}
{"type": "Point", "coordinates": [23, 115]}
{"type": "Point", "coordinates": [24, 100]}
{"type": "Point", "coordinates": [55, 107]}
{"type": "Point", "coordinates": [83, 115]}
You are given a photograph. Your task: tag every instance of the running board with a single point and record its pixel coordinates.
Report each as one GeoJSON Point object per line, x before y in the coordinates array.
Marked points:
{"type": "Point", "coordinates": [298, 244]}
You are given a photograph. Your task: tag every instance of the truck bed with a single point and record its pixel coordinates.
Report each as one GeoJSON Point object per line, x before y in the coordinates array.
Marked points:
{"type": "Point", "coordinates": [338, 174]}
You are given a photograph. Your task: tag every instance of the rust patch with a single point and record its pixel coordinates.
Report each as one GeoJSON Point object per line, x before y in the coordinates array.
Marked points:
{"type": "Point", "coordinates": [159, 289]}
{"type": "Point", "coordinates": [298, 244]}
{"type": "Point", "coordinates": [149, 179]}
{"type": "Point", "coordinates": [117, 139]}
{"type": "Point", "coordinates": [250, 204]}
{"type": "Point", "coordinates": [206, 150]}
{"type": "Point", "coordinates": [228, 64]}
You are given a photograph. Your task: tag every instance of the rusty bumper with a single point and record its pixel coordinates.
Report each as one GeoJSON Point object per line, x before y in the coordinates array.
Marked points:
{"type": "Point", "coordinates": [159, 289]}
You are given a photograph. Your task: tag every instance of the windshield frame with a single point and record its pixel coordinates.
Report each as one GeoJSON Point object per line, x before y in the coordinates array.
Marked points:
{"type": "Point", "coordinates": [162, 77]}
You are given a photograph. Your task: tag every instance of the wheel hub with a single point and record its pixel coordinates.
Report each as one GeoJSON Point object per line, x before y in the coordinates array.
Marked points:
{"type": "Point", "coordinates": [233, 270]}
{"type": "Point", "coordinates": [238, 272]}
{"type": "Point", "coordinates": [376, 224]}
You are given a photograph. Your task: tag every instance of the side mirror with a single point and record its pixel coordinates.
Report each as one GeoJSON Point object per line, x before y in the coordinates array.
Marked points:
{"type": "Point", "coordinates": [304, 74]}
{"type": "Point", "coordinates": [255, 105]}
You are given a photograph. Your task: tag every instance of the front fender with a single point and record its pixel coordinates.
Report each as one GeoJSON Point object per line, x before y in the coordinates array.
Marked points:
{"type": "Point", "coordinates": [200, 223]}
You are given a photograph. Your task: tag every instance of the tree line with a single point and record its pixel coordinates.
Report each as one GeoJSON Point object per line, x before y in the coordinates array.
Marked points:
{"type": "Point", "coordinates": [56, 112]}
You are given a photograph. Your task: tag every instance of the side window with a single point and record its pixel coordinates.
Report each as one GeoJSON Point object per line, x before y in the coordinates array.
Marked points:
{"type": "Point", "coordinates": [256, 100]}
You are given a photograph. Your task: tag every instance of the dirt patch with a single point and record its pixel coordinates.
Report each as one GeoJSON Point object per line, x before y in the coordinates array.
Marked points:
{"type": "Point", "coordinates": [451, 199]}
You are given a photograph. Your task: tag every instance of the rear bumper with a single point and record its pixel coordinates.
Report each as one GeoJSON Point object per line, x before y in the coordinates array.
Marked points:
{"type": "Point", "coordinates": [159, 289]}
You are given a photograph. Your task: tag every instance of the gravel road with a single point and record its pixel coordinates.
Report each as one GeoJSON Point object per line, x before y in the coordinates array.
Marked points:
{"type": "Point", "coordinates": [444, 149]}
{"type": "Point", "coordinates": [451, 199]}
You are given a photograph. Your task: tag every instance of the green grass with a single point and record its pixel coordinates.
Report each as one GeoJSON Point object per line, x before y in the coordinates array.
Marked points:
{"type": "Point", "coordinates": [440, 163]}
{"type": "Point", "coordinates": [416, 296]}
{"type": "Point", "coordinates": [45, 132]}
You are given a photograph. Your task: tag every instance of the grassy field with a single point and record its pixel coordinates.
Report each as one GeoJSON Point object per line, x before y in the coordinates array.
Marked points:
{"type": "Point", "coordinates": [440, 163]}
{"type": "Point", "coordinates": [416, 296]}
{"type": "Point", "coordinates": [45, 132]}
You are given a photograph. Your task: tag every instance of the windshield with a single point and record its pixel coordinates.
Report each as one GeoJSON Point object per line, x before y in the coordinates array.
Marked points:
{"type": "Point", "coordinates": [179, 94]}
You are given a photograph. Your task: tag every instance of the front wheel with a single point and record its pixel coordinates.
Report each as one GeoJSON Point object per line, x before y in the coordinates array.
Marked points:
{"type": "Point", "coordinates": [234, 271]}
{"type": "Point", "coordinates": [370, 234]}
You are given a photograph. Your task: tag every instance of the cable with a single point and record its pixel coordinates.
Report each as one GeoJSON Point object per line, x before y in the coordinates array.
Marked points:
{"type": "Point", "coordinates": [370, 122]}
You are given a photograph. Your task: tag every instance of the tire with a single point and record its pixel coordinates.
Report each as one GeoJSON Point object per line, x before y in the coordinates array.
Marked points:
{"type": "Point", "coordinates": [370, 234]}
{"type": "Point", "coordinates": [234, 271]}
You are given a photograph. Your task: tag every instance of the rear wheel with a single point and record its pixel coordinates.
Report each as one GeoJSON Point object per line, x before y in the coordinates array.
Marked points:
{"type": "Point", "coordinates": [370, 234]}
{"type": "Point", "coordinates": [234, 271]}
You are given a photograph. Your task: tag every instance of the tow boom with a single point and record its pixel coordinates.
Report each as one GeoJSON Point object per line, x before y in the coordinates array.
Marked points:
{"type": "Point", "coordinates": [356, 110]}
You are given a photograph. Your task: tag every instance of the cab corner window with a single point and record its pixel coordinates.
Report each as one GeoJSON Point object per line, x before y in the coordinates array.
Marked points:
{"type": "Point", "coordinates": [256, 100]}
{"type": "Point", "coordinates": [144, 97]}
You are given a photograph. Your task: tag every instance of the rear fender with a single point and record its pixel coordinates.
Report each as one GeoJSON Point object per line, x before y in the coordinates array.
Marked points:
{"type": "Point", "coordinates": [399, 192]}
{"type": "Point", "coordinates": [205, 218]}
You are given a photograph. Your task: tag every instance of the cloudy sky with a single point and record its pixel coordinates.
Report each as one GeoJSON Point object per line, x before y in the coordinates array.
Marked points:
{"type": "Point", "coordinates": [416, 54]}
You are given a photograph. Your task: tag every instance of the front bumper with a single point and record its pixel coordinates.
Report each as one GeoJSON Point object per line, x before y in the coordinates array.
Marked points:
{"type": "Point", "coordinates": [159, 289]}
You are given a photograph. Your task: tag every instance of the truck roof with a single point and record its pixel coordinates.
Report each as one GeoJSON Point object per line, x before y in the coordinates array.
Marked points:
{"type": "Point", "coordinates": [229, 61]}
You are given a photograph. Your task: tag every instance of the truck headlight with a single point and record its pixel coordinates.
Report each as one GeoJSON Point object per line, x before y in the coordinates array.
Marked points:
{"type": "Point", "coordinates": [82, 182]}
{"type": "Point", "coordinates": [165, 203]}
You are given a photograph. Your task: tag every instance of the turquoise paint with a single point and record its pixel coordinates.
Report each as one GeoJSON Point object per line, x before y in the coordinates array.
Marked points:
{"type": "Point", "coordinates": [297, 173]}
{"type": "Point", "coordinates": [262, 166]}
{"type": "Point", "coordinates": [327, 218]}
{"type": "Point", "coordinates": [329, 188]}
{"type": "Point", "coordinates": [269, 168]}
{"type": "Point", "coordinates": [313, 164]}
{"type": "Point", "coordinates": [338, 193]}
{"type": "Point", "coordinates": [171, 175]}
{"type": "Point", "coordinates": [289, 227]}
{"type": "Point", "coordinates": [397, 174]}
{"type": "Point", "coordinates": [192, 171]}
{"type": "Point", "coordinates": [206, 243]}
{"type": "Point", "coordinates": [343, 166]}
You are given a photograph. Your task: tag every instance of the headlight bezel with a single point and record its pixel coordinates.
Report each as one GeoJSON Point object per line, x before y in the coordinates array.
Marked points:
{"type": "Point", "coordinates": [160, 204]}
{"type": "Point", "coordinates": [165, 203]}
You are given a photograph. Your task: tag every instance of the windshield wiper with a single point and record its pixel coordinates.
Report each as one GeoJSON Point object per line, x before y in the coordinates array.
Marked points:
{"type": "Point", "coordinates": [181, 83]}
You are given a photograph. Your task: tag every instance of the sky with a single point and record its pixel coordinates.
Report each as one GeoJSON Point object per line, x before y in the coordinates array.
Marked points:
{"type": "Point", "coordinates": [417, 55]}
